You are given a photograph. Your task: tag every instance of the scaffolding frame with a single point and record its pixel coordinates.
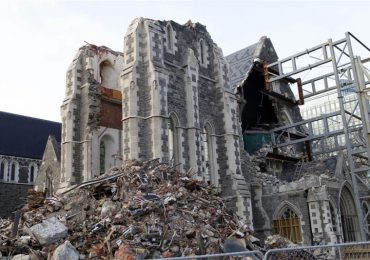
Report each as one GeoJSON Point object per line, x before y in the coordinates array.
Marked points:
{"type": "Point", "coordinates": [348, 75]}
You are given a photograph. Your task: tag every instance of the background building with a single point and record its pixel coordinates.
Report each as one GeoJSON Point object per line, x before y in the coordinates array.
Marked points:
{"type": "Point", "coordinates": [22, 144]}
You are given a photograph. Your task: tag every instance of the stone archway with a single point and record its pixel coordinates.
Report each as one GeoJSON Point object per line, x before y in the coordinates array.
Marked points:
{"type": "Point", "coordinates": [107, 150]}
{"type": "Point", "coordinates": [287, 222]}
{"type": "Point", "coordinates": [349, 218]}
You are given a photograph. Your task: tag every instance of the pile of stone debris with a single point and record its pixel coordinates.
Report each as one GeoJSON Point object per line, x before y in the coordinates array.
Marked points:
{"type": "Point", "coordinates": [277, 241]}
{"type": "Point", "coordinates": [141, 210]}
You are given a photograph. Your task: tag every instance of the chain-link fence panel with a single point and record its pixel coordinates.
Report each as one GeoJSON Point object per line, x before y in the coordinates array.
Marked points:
{"type": "Point", "coordinates": [245, 255]}
{"type": "Point", "coordinates": [357, 250]}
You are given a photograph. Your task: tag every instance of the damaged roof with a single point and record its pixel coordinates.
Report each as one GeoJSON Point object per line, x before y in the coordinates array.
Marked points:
{"type": "Point", "coordinates": [23, 136]}
{"type": "Point", "coordinates": [241, 62]}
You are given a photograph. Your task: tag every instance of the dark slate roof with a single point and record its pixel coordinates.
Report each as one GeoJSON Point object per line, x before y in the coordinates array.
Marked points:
{"type": "Point", "coordinates": [240, 64]}
{"type": "Point", "coordinates": [23, 136]}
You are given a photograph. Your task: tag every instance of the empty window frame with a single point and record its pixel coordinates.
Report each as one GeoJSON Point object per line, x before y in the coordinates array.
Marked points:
{"type": "Point", "coordinates": [3, 169]}
{"type": "Point", "coordinates": [169, 38]}
{"type": "Point", "coordinates": [32, 173]}
{"type": "Point", "coordinates": [14, 171]}
{"type": "Point", "coordinates": [173, 139]}
{"type": "Point", "coordinates": [288, 225]}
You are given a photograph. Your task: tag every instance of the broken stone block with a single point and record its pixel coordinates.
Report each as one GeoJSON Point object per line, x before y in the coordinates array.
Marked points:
{"type": "Point", "coordinates": [21, 257]}
{"type": "Point", "coordinates": [65, 251]}
{"type": "Point", "coordinates": [108, 209]}
{"type": "Point", "coordinates": [234, 245]}
{"type": "Point", "coordinates": [49, 231]}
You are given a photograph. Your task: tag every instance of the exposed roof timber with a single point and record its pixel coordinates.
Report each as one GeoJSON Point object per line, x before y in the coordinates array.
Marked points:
{"type": "Point", "coordinates": [281, 157]}
{"type": "Point", "coordinates": [279, 96]}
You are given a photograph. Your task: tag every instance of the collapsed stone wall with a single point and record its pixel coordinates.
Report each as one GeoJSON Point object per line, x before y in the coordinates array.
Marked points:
{"type": "Point", "coordinates": [88, 76]}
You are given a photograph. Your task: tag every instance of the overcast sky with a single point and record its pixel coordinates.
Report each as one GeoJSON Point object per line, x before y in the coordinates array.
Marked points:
{"type": "Point", "coordinates": [40, 38]}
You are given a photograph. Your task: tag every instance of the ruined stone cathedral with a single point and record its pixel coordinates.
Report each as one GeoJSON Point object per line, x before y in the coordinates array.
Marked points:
{"type": "Point", "coordinates": [172, 95]}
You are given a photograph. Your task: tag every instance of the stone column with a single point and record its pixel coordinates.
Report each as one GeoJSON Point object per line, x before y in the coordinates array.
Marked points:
{"type": "Point", "coordinates": [70, 125]}
{"type": "Point", "coordinates": [129, 86]}
{"type": "Point", "coordinates": [320, 216]}
{"type": "Point", "coordinates": [192, 109]}
{"type": "Point", "coordinates": [232, 139]}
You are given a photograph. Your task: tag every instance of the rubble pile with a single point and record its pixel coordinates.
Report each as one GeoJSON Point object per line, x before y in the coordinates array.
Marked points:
{"type": "Point", "coordinates": [277, 241]}
{"type": "Point", "coordinates": [141, 210]}
{"type": "Point", "coordinates": [267, 179]}
{"type": "Point", "coordinates": [318, 168]}
{"type": "Point", "coordinates": [260, 174]}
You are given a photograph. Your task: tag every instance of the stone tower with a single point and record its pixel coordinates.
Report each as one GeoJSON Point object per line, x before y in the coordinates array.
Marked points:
{"type": "Point", "coordinates": [177, 104]}
{"type": "Point", "coordinates": [171, 88]}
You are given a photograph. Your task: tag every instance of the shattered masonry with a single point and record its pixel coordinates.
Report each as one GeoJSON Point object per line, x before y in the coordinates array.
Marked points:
{"type": "Point", "coordinates": [172, 95]}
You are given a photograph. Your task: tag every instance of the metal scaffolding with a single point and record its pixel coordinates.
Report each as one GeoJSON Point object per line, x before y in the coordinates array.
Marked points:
{"type": "Point", "coordinates": [337, 69]}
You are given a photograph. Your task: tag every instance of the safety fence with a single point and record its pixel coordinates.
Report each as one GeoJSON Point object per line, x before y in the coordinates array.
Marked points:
{"type": "Point", "coordinates": [245, 255]}
{"type": "Point", "coordinates": [356, 250]}
{"type": "Point", "coordinates": [344, 251]}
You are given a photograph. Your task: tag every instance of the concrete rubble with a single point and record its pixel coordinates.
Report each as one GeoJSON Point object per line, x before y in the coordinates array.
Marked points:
{"type": "Point", "coordinates": [140, 210]}
{"type": "Point", "coordinates": [276, 241]}
{"type": "Point", "coordinates": [21, 257]}
{"type": "Point", "coordinates": [65, 252]}
{"type": "Point", "coordinates": [49, 231]}
{"type": "Point", "coordinates": [145, 210]}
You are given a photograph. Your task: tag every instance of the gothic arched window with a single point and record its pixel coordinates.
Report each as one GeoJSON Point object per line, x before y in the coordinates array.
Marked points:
{"type": "Point", "coordinates": [13, 175]}
{"type": "Point", "coordinates": [32, 172]}
{"type": "Point", "coordinates": [208, 155]}
{"type": "Point", "coordinates": [202, 50]}
{"type": "Point", "coordinates": [108, 76]}
{"type": "Point", "coordinates": [288, 224]}
{"type": "Point", "coordinates": [169, 37]}
{"type": "Point", "coordinates": [108, 152]}
{"type": "Point", "coordinates": [2, 170]}
{"type": "Point", "coordinates": [102, 157]}
{"type": "Point", "coordinates": [173, 139]}
{"type": "Point", "coordinates": [349, 218]}
{"type": "Point", "coordinates": [205, 155]}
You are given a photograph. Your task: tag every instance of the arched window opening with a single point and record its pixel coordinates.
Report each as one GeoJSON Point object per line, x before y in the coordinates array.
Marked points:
{"type": "Point", "coordinates": [108, 77]}
{"type": "Point", "coordinates": [350, 225]}
{"type": "Point", "coordinates": [2, 170]}
{"type": "Point", "coordinates": [108, 153]}
{"type": "Point", "coordinates": [32, 173]}
{"type": "Point", "coordinates": [12, 172]}
{"type": "Point", "coordinates": [288, 225]}
{"type": "Point", "coordinates": [102, 157]}
{"type": "Point", "coordinates": [173, 140]}
{"type": "Point", "coordinates": [202, 51]}
{"type": "Point", "coordinates": [171, 144]}
{"type": "Point", "coordinates": [205, 155]}
{"type": "Point", "coordinates": [169, 39]}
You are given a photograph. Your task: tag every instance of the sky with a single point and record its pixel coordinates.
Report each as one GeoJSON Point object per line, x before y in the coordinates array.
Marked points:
{"type": "Point", "coordinates": [40, 38]}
